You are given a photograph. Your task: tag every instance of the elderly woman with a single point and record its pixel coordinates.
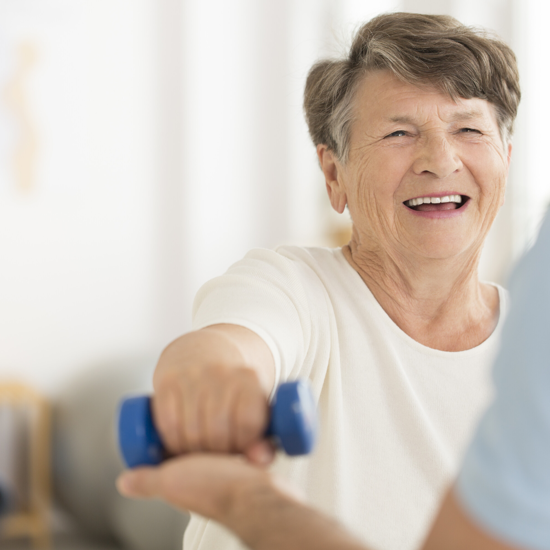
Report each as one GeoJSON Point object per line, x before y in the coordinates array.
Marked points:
{"type": "Point", "coordinates": [394, 330]}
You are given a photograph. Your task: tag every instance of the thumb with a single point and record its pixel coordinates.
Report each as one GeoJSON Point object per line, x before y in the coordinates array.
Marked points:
{"type": "Point", "coordinates": [261, 453]}
{"type": "Point", "coordinates": [139, 483]}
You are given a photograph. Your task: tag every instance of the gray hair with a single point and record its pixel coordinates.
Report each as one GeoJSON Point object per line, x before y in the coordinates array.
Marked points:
{"type": "Point", "coordinates": [419, 49]}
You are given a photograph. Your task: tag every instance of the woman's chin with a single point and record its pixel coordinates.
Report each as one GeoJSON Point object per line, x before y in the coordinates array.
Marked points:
{"type": "Point", "coordinates": [438, 247]}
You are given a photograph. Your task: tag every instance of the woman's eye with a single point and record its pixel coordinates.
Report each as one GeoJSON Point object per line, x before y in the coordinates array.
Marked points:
{"type": "Point", "coordinates": [397, 133]}
{"type": "Point", "coordinates": [470, 131]}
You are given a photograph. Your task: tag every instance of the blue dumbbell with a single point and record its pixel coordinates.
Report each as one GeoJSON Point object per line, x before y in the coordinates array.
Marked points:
{"type": "Point", "coordinates": [292, 425]}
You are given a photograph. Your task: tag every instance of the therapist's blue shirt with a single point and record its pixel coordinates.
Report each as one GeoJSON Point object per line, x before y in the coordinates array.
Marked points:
{"type": "Point", "coordinates": [504, 483]}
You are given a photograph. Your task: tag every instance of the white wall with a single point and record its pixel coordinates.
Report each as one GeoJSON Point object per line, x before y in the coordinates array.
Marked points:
{"type": "Point", "coordinates": [167, 139]}
{"type": "Point", "coordinates": [76, 282]}
{"type": "Point", "coordinates": [533, 180]}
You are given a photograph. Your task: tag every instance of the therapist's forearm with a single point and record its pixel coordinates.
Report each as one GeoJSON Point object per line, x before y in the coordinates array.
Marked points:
{"type": "Point", "coordinates": [266, 515]}
{"type": "Point", "coordinates": [268, 519]}
{"type": "Point", "coordinates": [454, 529]}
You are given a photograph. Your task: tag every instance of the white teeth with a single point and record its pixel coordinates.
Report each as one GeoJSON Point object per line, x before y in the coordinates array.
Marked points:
{"type": "Point", "coordinates": [434, 200]}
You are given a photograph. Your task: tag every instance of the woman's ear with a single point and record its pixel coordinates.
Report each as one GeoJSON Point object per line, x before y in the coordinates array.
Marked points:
{"type": "Point", "coordinates": [509, 155]}
{"type": "Point", "coordinates": [508, 159]}
{"type": "Point", "coordinates": [332, 170]}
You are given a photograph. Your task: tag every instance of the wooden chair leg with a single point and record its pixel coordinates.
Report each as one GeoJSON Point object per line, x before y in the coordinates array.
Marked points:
{"type": "Point", "coordinates": [34, 522]}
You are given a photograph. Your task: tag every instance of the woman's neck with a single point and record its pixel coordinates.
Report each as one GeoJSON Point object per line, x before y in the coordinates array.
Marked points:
{"type": "Point", "coordinates": [439, 303]}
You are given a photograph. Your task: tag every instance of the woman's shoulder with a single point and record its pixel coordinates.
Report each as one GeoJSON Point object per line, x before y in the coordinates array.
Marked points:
{"type": "Point", "coordinates": [293, 258]}
{"type": "Point", "coordinates": [314, 256]}
{"type": "Point", "coordinates": [308, 270]}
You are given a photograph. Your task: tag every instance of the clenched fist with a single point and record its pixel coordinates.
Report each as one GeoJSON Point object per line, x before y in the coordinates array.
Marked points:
{"type": "Point", "coordinates": [211, 390]}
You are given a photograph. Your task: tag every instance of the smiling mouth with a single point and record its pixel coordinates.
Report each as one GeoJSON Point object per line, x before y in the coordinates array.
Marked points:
{"type": "Point", "coordinates": [435, 204]}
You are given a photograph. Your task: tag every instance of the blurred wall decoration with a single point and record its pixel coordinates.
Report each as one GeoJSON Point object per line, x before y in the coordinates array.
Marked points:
{"type": "Point", "coordinates": [145, 145]}
{"type": "Point", "coordinates": [77, 279]}
{"type": "Point", "coordinates": [24, 153]}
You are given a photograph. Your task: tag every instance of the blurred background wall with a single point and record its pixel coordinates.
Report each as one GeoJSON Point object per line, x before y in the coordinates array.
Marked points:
{"type": "Point", "coordinates": [145, 145]}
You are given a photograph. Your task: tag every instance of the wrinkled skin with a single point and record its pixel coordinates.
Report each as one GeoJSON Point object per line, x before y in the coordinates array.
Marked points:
{"type": "Point", "coordinates": [408, 142]}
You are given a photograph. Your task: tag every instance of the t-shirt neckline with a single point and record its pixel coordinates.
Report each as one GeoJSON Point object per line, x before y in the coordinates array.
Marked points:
{"type": "Point", "coordinates": [363, 288]}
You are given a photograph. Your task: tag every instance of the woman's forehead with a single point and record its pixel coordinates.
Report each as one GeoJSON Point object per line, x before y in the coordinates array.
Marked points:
{"type": "Point", "coordinates": [455, 112]}
{"type": "Point", "coordinates": [383, 97]}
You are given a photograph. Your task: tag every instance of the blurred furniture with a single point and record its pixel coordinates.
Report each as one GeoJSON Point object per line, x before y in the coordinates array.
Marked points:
{"type": "Point", "coordinates": [30, 517]}
{"type": "Point", "coordinates": [86, 459]}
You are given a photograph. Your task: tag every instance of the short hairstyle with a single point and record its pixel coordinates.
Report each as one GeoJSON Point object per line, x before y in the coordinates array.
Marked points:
{"type": "Point", "coordinates": [419, 49]}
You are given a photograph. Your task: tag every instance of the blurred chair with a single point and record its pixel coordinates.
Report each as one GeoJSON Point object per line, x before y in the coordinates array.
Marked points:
{"type": "Point", "coordinates": [86, 459]}
{"type": "Point", "coordinates": [29, 414]}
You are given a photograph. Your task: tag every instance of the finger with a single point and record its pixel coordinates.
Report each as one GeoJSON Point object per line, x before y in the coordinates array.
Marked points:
{"type": "Point", "coordinates": [250, 418]}
{"type": "Point", "coordinates": [261, 453]}
{"type": "Point", "coordinates": [139, 483]}
{"type": "Point", "coordinates": [217, 419]}
{"type": "Point", "coordinates": [168, 419]}
{"type": "Point", "coordinates": [192, 397]}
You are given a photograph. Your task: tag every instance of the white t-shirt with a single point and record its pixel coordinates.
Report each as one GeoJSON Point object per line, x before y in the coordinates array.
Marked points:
{"type": "Point", "coordinates": [395, 415]}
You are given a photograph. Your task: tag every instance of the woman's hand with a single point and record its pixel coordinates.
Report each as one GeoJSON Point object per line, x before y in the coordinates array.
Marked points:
{"type": "Point", "coordinates": [211, 391]}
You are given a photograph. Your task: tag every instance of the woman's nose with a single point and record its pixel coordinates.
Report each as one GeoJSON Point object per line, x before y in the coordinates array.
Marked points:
{"type": "Point", "coordinates": [437, 156]}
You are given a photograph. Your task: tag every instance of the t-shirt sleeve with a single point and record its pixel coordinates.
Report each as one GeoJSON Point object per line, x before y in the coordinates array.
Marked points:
{"type": "Point", "coordinates": [505, 478]}
{"type": "Point", "coordinates": [267, 293]}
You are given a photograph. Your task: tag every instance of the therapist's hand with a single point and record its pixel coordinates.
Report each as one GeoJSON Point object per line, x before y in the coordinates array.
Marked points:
{"type": "Point", "coordinates": [206, 484]}
{"type": "Point", "coordinates": [217, 486]}
{"type": "Point", "coordinates": [244, 497]}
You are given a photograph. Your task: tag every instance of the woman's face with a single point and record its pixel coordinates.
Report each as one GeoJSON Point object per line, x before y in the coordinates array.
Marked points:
{"type": "Point", "coordinates": [411, 143]}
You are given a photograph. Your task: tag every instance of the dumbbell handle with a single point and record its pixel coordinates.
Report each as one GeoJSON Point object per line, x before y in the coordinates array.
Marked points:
{"type": "Point", "coordinates": [292, 425]}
